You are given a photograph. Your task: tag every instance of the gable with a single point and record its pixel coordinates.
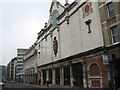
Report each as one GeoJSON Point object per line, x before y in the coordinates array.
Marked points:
{"type": "Point", "coordinates": [55, 5]}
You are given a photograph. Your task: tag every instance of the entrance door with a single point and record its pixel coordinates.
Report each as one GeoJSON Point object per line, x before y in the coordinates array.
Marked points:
{"type": "Point", "coordinates": [50, 76]}
{"type": "Point", "coordinates": [44, 77]}
{"type": "Point", "coordinates": [67, 75]}
{"type": "Point", "coordinates": [57, 76]}
{"type": "Point", "coordinates": [77, 74]}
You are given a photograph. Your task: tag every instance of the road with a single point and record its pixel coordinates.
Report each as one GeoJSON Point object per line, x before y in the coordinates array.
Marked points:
{"type": "Point", "coordinates": [16, 86]}
{"type": "Point", "coordinates": [19, 85]}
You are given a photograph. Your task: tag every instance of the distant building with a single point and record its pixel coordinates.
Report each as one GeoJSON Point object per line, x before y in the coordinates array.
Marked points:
{"type": "Point", "coordinates": [19, 64]}
{"type": "Point", "coordinates": [3, 73]}
{"type": "Point", "coordinates": [14, 70]}
{"type": "Point", "coordinates": [30, 64]}
{"type": "Point", "coordinates": [11, 69]}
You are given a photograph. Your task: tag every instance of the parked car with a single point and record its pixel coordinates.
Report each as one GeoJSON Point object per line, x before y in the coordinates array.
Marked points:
{"type": "Point", "coordinates": [1, 84]}
{"type": "Point", "coordinates": [12, 81]}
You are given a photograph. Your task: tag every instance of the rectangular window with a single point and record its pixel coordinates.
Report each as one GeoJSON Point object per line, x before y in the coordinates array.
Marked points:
{"type": "Point", "coordinates": [110, 8]}
{"type": "Point", "coordinates": [114, 34]}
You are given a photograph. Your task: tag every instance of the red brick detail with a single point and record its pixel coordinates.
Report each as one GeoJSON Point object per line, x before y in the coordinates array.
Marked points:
{"type": "Point", "coordinates": [96, 83]}
{"type": "Point", "coordinates": [94, 70]}
{"type": "Point", "coordinates": [103, 70]}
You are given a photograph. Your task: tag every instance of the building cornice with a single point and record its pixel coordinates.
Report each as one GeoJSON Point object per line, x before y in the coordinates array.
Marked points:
{"type": "Point", "coordinates": [98, 49]}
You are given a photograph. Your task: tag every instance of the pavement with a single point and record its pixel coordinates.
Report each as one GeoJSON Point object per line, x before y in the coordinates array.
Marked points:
{"type": "Point", "coordinates": [21, 86]}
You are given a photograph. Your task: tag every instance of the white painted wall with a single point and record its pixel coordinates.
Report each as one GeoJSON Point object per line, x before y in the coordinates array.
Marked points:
{"type": "Point", "coordinates": [74, 37]}
{"type": "Point", "coordinates": [95, 38]}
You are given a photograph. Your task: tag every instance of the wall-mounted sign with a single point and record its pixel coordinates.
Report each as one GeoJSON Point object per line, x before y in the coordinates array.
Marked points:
{"type": "Point", "coordinates": [105, 60]}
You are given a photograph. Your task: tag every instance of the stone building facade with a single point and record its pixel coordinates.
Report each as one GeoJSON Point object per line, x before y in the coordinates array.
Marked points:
{"type": "Point", "coordinates": [30, 65]}
{"type": "Point", "coordinates": [110, 21]}
{"type": "Point", "coordinates": [11, 70]}
{"type": "Point", "coordinates": [77, 58]}
{"type": "Point", "coordinates": [75, 46]}
{"type": "Point", "coordinates": [19, 64]}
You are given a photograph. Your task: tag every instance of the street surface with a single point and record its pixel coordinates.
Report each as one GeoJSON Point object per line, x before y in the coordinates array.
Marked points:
{"type": "Point", "coordinates": [18, 85]}
{"type": "Point", "coordinates": [21, 86]}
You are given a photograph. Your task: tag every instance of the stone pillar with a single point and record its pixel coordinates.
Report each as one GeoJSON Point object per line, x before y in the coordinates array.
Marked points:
{"type": "Point", "coordinates": [84, 75]}
{"type": "Point", "coordinates": [47, 75]}
{"type": "Point", "coordinates": [53, 76]}
{"type": "Point", "coordinates": [30, 77]}
{"type": "Point", "coordinates": [71, 76]}
{"type": "Point", "coordinates": [61, 76]}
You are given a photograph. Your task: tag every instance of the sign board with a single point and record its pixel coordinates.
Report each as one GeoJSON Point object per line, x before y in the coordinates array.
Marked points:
{"type": "Point", "coordinates": [105, 60]}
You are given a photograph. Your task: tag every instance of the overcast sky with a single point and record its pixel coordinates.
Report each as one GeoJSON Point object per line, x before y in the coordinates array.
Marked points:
{"type": "Point", "coordinates": [20, 22]}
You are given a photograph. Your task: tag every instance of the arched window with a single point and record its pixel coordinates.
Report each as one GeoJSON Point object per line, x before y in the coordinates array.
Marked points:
{"type": "Point", "coordinates": [94, 70]}
{"type": "Point", "coordinates": [95, 77]}
{"type": "Point", "coordinates": [54, 18]}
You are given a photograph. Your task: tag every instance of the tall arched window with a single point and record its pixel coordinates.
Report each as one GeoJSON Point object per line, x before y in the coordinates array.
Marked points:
{"type": "Point", "coordinates": [94, 70]}
{"type": "Point", "coordinates": [54, 18]}
{"type": "Point", "coordinates": [95, 76]}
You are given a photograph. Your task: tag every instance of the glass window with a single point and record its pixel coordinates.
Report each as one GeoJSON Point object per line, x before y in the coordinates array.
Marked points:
{"type": "Point", "coordinates": [111, 11]}
{"type": "Point", "coordinates": [114, 34]}
{"type": "Point", "coordinates": [54, 18]}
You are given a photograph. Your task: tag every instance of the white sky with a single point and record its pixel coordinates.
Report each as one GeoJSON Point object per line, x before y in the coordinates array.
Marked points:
{"type": "Point", "coordinates": [20, 22]}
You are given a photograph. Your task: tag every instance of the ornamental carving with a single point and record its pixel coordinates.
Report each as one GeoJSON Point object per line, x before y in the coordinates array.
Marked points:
{"type": "Point", "coordinates": [87, 9]}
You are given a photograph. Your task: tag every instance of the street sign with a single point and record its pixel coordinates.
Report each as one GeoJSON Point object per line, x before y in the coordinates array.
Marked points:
{"type": "Point", "coordinates": [105, 60]}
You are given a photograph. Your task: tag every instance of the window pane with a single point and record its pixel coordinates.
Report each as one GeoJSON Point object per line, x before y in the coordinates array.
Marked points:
{"type": "Point", "coordinates": [54, 19]}
{"type": "Point", "coordinates": [115, 39]}
{"type": "Point", "coordinates": [110, 6]}
{"type": "Point", "coordinates": [114, 34]}
{"type": "Point", "coordinates": [110, 9]}
{"type": "Point", "coordinates": [112, 13]}
{"type": "Point", "coordinates": [114, 30]}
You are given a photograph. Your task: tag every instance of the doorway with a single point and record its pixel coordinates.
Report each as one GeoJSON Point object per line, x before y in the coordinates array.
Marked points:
{"type": "Point", "coordinates": [57, 76]}
{"type": "Point", "coordinates": [66, 75]}
{"type": "Point", "coordinates": [77, 74]}
{"type": "Point", "coordinates": [44, 77]}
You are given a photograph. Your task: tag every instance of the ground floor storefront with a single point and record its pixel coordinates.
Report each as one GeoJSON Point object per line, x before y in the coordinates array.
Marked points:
{"type": "Point", "coordinates": [30, 76]}
{"type": "Point", "coordinates": [84, 70]}
{"type": "Point", "coordinates": [20, 78]}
